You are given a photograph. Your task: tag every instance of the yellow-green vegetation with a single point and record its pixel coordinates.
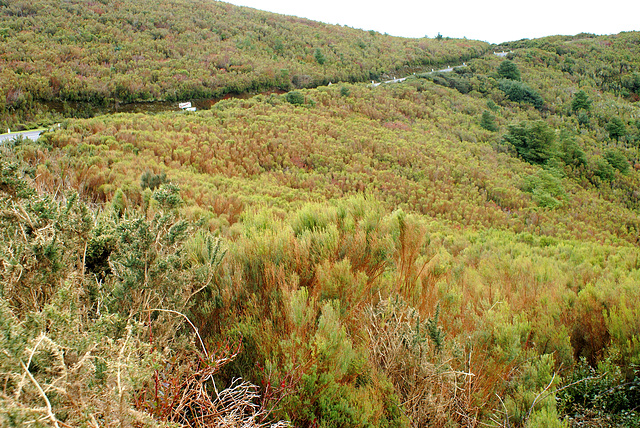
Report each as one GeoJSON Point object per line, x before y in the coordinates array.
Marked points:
{"type": "Point", "coordinates": [460, 249]}
{"type": "Point", "coordinates": [109, 52]}
{"type": "Point", "coordinates": [416, 146]}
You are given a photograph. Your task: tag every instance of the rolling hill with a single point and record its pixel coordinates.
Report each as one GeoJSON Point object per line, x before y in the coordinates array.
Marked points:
{"type": "Point", "coordinates": [101, 54]}
{"type": "Point", "coordinates": [457, 249]}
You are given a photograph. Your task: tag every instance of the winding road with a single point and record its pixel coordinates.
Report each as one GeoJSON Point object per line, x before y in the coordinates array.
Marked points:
{"type": "Point", "coordinates": [32, 135]}
{"type": "Point", "coordinates": [402, 79]}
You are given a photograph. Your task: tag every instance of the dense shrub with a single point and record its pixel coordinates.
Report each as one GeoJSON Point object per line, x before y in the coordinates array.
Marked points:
{"type": "Point", "coordinates": [160, 51]}
{"type": "Point", "coordinates": [295, 98]}
{"type": "Point", "coordinates": [618, 160]}
{"type": "Point", "coordinates": [380, 258]}
{"type": "Point", "coordinates": [580, 102]}
{"type": "Point", "coordinates": [534, 141]}
{"type": "Point", "coordinates": [521, 93]}
{"type": "Point", "coordinates": [508, 70]}
{"type": "Point", "coordinates": [488, 122]}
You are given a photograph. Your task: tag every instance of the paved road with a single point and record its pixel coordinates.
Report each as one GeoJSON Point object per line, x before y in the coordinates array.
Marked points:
{"type": "Point", "coordinates": [444, 70]}
{"type": "Point", "coordinates": [32, 135]}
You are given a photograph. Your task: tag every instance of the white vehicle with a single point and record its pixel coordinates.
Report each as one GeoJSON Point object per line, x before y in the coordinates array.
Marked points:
{"type": "Point", "coordinates": [185, 105]}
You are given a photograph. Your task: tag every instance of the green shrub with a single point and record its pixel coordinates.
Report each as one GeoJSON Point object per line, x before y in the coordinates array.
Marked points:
{"type": "Point", "coordinates": [488, 122]}
{"type": "Point", "coordinates": [531, 392]}
{"type": "Point", "coordinates": [149, 180]}
{"type": "Point", "coordinates": [319, 56]}
{"type": "Point", "coordinates": [521, 93]}
{"type": "Point", "coordinates": [570, 152]}
{"type": "Point", "coordinates": [604, 170]}
{"type": "Point", "coordinates": [546, 418]}
{"type": "Point", "coordinates": [508, 70]}
{"type": "Point", "coordinates": [168, 196]}
{"type": "Point", "coordinates": [295, 98]}
{"type": "Point", "coordinates": [581, 101]}
{"type": "Point", "coordinates": [583, 118]}
{"type": "Point", "coordinates": [534, 141]}
{"type": "Point", "coordinates": [461, 84]}
{"type": "Point", "coordinates": [546, 188]}
{"type": "Point", "coordinates": [618, 160]}
{"type": "Point", "coordinates": [616, 128]}
{"type": "Point", "coordinates": [601, 392]}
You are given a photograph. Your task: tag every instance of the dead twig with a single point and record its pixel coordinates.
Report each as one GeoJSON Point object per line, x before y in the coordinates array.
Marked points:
{"type": "Point", "coordinates": [195, 329]}
{"type": "Point", "coordinates": [538, 396]}
{"type": "Point", "coordinates": [22, 381]}
{"type": "Point", "coordinates": [49, 409]}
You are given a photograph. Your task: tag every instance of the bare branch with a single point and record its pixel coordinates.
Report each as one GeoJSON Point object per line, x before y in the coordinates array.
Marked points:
{"type": "Point", "coordinates": [50, 414]}
{"type": "Point", "coordinates": [195, 329]}
{"type": "Point", "coordinates": [33, 351]}
{"type": "Point", "coordinates": [506, 412]}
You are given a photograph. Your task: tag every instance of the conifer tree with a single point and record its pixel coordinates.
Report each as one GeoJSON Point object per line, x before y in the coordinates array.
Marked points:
{"type": "Point", "coordinates": [532, 140]}
{"type": "Point", "coordinates": [616, 128]}
{"type": "Point", "coordinates": [508, 70]}
{"type": "Point", "coordinates": [580, 101]}
{"type": "Point", "coordinates": [488, 122]}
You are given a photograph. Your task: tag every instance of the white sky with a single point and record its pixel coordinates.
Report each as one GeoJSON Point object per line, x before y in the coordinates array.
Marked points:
{"type": "Point", "coordinates": [493, 21]}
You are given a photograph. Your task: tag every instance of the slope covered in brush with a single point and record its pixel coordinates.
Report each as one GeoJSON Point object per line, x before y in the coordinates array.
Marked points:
{"type": "Point", "coordinates": [419, 146]}
{"type": "Point", "coordinates": [346, 312]}
{"type": "Point", "coordinates": [456, 250]}
{"type": "Point", "coordinates": [606, 63]}
{"type": "Point", "coordinates": [128, 51]}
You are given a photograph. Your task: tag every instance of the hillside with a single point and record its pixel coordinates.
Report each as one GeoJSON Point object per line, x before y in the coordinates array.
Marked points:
{"type": "Point", "coordinates": [426, 139]}
{"type": "Point", "coordinates": [459, 249]}
{"type": "Point", "coordinates": [109, 52]}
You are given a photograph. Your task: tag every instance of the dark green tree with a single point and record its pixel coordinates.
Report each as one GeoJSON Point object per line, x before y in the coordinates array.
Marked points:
{"type": "Point", "coordinates": [583, 118]}
{"type": "Point", "coordinates": [570, 152]}
{"type": "Point", "coordinates": [320, 57]}
{"type": "Point", "coordinates": [534, 141]}
{"type": "Point", "coordinates": [604, 170]}
{"type": "Point", "coordinates": [580, 101]}
{"type": "Point", "coordinates": [295, 97]}
{"type": "Point", "coordinates": [616, 128]}
{"type": "Point", "coordinates": [521, 93]}
{"type": "Point", "coordinates": [618, 160]}
{"type": "Point", "coordinates": [151, 180]}
{"type": "Point", "coordinates": [508, 70]}
{"type": "Point", "coordinates": [488, 122]}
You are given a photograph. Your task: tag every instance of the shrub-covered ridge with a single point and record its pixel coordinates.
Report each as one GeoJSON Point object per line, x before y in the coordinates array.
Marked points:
{"type": "Point", "coordinates": [109, 52]}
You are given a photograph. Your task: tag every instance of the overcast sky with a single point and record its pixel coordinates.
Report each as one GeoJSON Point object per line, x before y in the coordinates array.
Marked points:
{"type": "Point", "coordinates": [493, 21]}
